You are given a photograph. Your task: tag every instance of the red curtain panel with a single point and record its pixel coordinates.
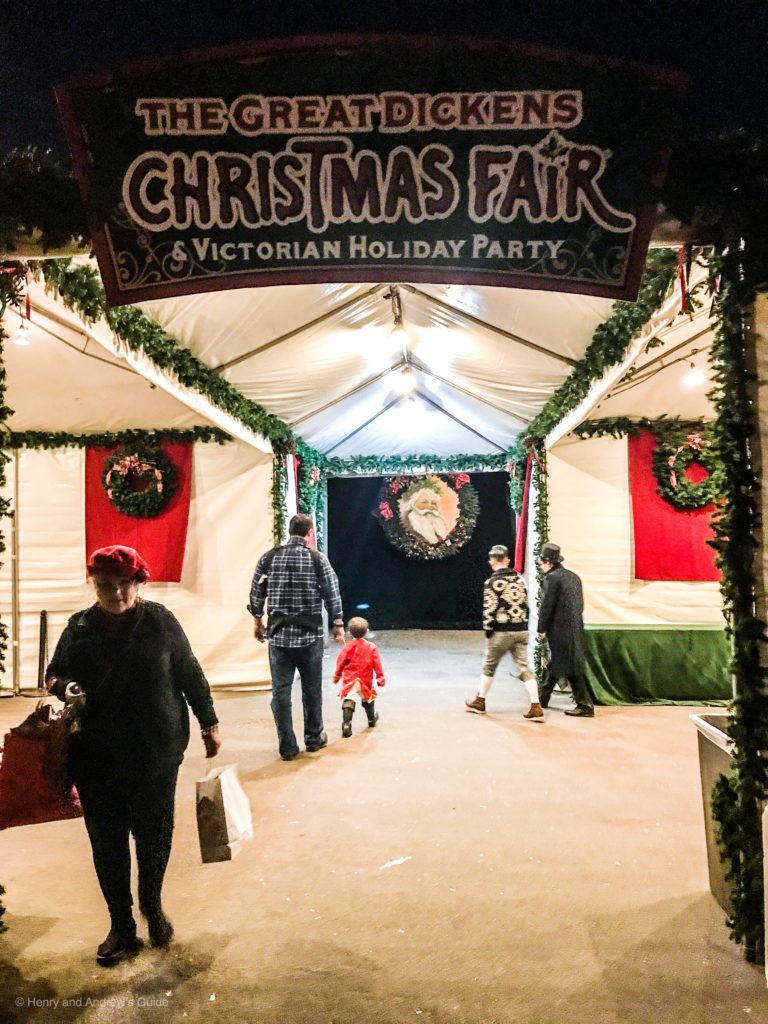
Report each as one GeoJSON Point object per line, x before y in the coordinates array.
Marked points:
{"type": "Point", "coordinates": [160, 540]}
{"type": "Point", "coordinates": [670, 543]}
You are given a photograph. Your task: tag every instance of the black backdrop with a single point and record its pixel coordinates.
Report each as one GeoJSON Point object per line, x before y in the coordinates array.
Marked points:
{"type": "Point", "coordinates": [409, 593]}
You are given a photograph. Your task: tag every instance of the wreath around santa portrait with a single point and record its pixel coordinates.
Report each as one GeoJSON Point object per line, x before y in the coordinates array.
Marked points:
{"type": "Point", "coordinates": [670, 461]}
{"type": "Point", "coordinates": [139, 482]}
{"type": "Point", "coordinates": [398, 488]}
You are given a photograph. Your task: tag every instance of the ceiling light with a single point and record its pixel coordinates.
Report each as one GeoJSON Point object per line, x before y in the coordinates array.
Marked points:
{"type": "Point", "coordinates": [21, 336]}
{"type": "Point", "coordinates": [405, 381]}
{"type": "Point", "coordinates": [695, 377]}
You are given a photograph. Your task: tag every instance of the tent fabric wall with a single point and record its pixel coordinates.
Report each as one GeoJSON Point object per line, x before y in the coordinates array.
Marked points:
{"type": "Point", "coordinates": [230, 525]}
{"type": "Point", "coordinates": [590, 518]}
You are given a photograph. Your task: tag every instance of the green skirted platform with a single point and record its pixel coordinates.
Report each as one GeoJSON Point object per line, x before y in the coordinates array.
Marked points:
{"type": "Point", "coordinates": [658, 664]}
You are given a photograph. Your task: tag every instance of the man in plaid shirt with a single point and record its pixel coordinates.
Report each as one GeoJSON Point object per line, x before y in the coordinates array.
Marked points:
{"type": "Point", "coordinates": [296, 581]}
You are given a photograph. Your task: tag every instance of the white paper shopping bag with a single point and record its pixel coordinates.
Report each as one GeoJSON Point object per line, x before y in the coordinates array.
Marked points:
{"type": "Point", "coordinates": [224, 819]}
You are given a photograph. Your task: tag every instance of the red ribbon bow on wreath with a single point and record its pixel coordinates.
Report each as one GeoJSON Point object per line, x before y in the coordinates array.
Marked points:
{"type": "Point", "coordinates": [695, 442]}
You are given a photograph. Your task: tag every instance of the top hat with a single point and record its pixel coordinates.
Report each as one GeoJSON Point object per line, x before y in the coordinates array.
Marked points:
{"type": "Point", "coordinates": [550, 553]}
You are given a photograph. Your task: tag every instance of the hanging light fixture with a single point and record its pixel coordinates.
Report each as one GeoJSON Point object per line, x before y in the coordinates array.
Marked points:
{"type": "Point", "coordinates": [398, 330]}
{"type": "Point", "coordinates": [405, 380]}
{"type": "Point", "coordinates": [21, 334]}
{"type": "Point", "coordinates": [695, 376]}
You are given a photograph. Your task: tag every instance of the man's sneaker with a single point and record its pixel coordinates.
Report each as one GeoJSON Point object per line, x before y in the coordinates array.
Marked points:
{"type": "Point", "coordinates": [476, 705]}
{"type": "Point", "coordinates": [322, 742]}
{"type": "Point", "coordinates": [534, 713]}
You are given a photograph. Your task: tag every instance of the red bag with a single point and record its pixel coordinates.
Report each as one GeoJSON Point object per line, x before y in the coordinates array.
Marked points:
{"type": "Point", "coordinates": [34, 780]}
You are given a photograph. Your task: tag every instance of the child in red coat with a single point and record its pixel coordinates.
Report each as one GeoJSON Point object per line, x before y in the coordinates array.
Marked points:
{"type": "Point", "coordinates": [356, 665]}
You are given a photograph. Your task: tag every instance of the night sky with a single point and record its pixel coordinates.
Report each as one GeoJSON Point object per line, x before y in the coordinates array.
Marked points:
{"type": "Point", "coordinates": [722, 46]}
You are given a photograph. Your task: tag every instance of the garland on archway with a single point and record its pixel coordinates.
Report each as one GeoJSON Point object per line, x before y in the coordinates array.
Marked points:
{"type": "Point", "coordinates": [315, 469]}
{"type": "Point", "coordinates": [139, 481]}
{"type": "Point", "coordinates": [607, 348]}
{"type": "Point", "coordinates": [409, 510]}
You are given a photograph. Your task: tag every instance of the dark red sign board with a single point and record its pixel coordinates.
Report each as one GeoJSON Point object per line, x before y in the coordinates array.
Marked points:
{"type": "Point", "coordinates": [370, 159]}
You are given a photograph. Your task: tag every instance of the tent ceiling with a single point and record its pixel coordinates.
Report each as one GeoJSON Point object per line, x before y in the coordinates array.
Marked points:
{"type": "Point", "coordinates": [66, 381]}
{"type": "Point", "coordinates": [324, 359]}
{"type": "Point", "coordinates": [662, 381]}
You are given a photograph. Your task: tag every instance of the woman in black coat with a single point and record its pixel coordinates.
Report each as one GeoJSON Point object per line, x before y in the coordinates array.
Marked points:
{"type": "Point", "coordinates": [561, 621]}
{"type": "Point", "coordinates": [133, 663]}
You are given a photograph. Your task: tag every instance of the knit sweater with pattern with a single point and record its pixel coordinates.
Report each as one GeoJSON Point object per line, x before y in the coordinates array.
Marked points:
{"type": "Point", "coordinates": [505, 603]}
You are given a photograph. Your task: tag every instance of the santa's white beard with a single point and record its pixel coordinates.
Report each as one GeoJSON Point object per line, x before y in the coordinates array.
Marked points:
{"type": "Point", "coordinates": [428, 525]}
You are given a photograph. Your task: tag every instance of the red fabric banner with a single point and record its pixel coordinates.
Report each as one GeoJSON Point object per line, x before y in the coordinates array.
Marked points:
{"type": "Point", "coordinates": [160, 540]}
{"type": "Point", "coordinates": [670, 543]}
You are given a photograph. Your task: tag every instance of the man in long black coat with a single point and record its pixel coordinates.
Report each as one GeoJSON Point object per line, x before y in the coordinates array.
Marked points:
{"type": "Point", "coordinates": [560, 620]}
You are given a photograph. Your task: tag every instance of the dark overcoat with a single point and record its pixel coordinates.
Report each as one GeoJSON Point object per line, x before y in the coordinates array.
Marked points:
{"type": "Point", "coordinates": [561, 618]}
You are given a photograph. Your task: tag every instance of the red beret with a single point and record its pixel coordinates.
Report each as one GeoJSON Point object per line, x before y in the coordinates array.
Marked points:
{"type": "Point", "coordinates": [118, 558]}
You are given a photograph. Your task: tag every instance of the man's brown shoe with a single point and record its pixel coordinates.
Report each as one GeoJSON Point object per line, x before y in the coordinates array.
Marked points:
{"type": "Point", "coordinates": [534, 713]}
{"type": "Point", "coordinates": [476, 705]}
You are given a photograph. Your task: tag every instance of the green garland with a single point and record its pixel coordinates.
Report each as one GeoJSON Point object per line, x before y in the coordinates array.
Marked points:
{"type": "Point", "coordinates": [738, 799]}
{"type": "Point", "coordinates": [666, 427]}
{"type": "Point", "coordinates": [279, 496]}
{"type": "Point", "coordinates": [671, 435]}
{"type": "Point", "coordinates": [149, 465]}
{"type": "Point", "coordinates": [315, 468]}
{"type": "Point", "coordinates": [46, 439]}
{"type": "Point", "coordinates": [607, 348]}
{"type": "Point", "coordinates": [80, 289]}
{"type": "Point", "coordinates": [541, 535]}
{"type": "Point", "coordinates": [396, 488]}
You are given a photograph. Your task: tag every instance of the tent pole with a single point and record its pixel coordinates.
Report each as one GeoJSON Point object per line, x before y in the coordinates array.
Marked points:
{"type": "Point", "coordinates": [464, 315]}
{"type": "Point", "coordinates": [15, 625]}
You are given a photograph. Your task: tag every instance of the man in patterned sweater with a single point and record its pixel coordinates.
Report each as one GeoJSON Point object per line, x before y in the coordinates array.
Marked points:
{"type": "Point", "coordinates": [505, 621]}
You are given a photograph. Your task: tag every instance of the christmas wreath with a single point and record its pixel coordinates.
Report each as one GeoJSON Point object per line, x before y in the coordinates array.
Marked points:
{"type": "Point", "coordinates": [670, 462]}
{"type": "Point", "coordinates": [139, 481]}
{"type": "Point", "coordinates": [428, 517]}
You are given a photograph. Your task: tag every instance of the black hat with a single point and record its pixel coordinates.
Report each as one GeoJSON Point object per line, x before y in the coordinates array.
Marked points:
{"type": "Point", "coordinates": [550, 553]}
{"type": "Point", "coordinates": [499, 552]}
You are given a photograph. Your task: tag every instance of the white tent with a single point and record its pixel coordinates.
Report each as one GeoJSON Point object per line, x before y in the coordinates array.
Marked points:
{"type": "Point", "coordinates": [481, 363]}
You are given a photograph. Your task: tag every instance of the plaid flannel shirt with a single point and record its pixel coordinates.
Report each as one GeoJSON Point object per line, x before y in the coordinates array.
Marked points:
{"type": "Point", "coordinates": [293, 587]}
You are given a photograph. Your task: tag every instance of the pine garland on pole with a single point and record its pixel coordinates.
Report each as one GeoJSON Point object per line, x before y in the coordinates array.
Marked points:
{"type": "Point", "coordinates": [279, 497]}
{"type": "Point", "coordinates": [738, 798]}
{"type": "Point", "coordinates": [541, 534]}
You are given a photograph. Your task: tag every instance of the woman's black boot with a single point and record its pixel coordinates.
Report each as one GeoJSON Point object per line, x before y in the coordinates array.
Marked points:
{"type": "Point", "coordinates": [160, 928]}
{"type": "Point", "coordinates": [121, 943]}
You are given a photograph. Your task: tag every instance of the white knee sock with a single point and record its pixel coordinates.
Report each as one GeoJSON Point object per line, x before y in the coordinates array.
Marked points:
{"type": "Point", "coordinates": [485, 684]}
{"type": "Point", "coordinates": [533, 690]}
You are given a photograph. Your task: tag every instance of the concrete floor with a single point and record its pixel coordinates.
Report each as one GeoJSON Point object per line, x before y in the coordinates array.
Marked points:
{"type": "Point", "coordinates": [443, 867]}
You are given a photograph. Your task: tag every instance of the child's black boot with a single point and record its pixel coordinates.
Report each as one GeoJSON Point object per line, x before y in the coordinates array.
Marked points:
{"type": "Point", "coordinates": [347, 710]}
{"type": "Point", "coordinates": [370, 710]}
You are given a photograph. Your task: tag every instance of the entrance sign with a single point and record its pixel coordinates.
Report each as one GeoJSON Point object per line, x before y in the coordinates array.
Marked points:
{"type": "Point", "coordinates": [370, 159]}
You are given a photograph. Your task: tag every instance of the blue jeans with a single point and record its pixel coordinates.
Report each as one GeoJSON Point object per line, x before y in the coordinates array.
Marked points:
{"type": "Point", "coordinates": [283, 663]}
